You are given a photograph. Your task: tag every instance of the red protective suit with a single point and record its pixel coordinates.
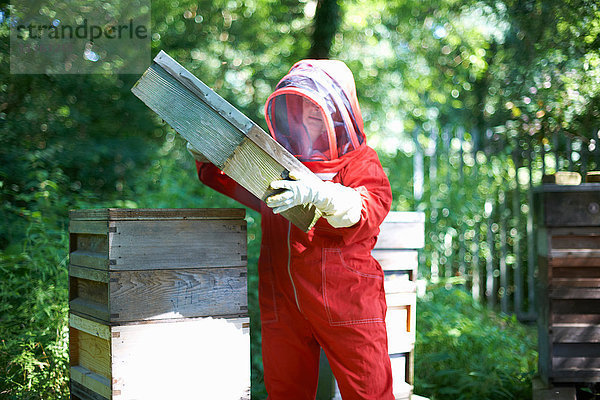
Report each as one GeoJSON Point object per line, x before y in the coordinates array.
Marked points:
{"type": "Point", "coordinates": [323, 288]}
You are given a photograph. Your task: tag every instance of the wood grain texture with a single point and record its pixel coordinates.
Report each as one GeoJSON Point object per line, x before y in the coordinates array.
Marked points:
{"type": "Point", "coordinates": [215, 128]}
{"type": "Point", "coordinates": [92, 381]}
{"type": "Point", "coordinates": [134, 214]}
{"type": "Point", "coordinates": [89, 259]}
{"type": "Point", "coordinates": [575, 293]}
{"type": "Point", "coordinates": [89, 309]}
{"type": "Point", "coordinates": [164, 294]}
{"type": "Point", "coordinates": [88, 326]}
{"type": "Point", "coordinates": [88, 273]}
{"type": "Point", "coordinates": [258, 179]}
{"type": "Point", "coordinates": [207, 131]}
{"type": "Point", "coordinates": [93, 352]}
{"type": "Point", "coordinates": [575, 333]}
{"type": "Point", "coordinates": [88, 227]}
{"type": "Point", "coordinates": [88, 290]}
{"type": "Point", "coordinates": [140, 245]}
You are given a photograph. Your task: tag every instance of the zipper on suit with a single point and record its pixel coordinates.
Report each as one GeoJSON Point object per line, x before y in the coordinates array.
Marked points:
{"type": "Point", "coordinates": [289, 261]}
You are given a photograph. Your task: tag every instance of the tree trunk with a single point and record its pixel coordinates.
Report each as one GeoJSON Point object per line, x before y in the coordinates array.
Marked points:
{"type": "Point", "coordinates": [326, 23]}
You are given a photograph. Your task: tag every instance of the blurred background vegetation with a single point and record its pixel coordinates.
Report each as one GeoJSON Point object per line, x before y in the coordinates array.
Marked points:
{"type": "Point", "coordinates": [468, 103]}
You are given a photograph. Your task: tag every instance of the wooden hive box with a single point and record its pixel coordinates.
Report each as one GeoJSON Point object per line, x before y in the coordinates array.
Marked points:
{"type": "Point", "coordinates": [156, 296]}
{"type": "Point", "coordinates": [397, 251]}
{"type": "Point", "coordinates": [568, 219]}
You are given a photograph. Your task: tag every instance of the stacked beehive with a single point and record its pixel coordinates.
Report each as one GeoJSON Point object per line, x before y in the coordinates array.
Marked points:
{"type": "Point", "coordinates": [397, 250]}
{"type": "Point", "coordinates": [158, 305]}
{"type": "Point", "coordinates": [569, 283]}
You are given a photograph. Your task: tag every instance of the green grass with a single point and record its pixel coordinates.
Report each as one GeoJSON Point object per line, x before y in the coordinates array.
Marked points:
{"type": "Point", "coordinates": [465, 351]}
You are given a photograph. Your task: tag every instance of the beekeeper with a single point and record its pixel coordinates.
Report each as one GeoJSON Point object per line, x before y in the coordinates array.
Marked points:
{"type": "Point", "coordinates": [321, 288]}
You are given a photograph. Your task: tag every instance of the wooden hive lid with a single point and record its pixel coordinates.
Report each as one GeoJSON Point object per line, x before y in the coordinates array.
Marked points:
{"type": "Point", "coordinates": [133, 214]}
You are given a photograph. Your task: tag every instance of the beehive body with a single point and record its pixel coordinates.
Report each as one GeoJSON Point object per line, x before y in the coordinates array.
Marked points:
{"type": "Point", "coordinates": [397, 251]}
{"type": "Point", "coordinates": [569, 283]}
{"type": "Point", "coordinates": [158, 302]}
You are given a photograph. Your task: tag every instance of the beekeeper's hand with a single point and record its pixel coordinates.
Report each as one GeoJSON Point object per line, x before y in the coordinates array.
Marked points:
{"type": "Point", "coordinates": [340, 205]}
{"type": "Point", "coordinates": [197, 155]}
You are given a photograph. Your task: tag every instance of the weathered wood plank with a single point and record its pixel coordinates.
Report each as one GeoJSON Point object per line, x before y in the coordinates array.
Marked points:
{"type": "Point", "coordinates": [574, 261]}
{"type": "Point", "coordinates": [88, 227]}
{"type": "Point", "coordinates": [93, 291]}
{"type": "Point", "coordinates": [165, 294]}
{"type": "Point", "coordinates": [576, 363]}
{"type": "Point", "coordinates": [91, 243]}
{"type": "Point", "coordinates": [576, 282]}
{"type": "Point", "coordinates": [215, 128]}
{"type": "Point", "coordinates": [89, 259]}
{"type": "Point", "coordinates": [93, 353]}
{"type": "Point", "coordinates": [92, 381]}
{"type": "Point", "coordinates": [88, 308]}
{"type": "Point", "coordinates": [266, 170]}
{"type": "Point", "coordinates": [88, 326]}
{"type": "Point", "coordinates": [123, 214]}
{"type": "Point", "coordinates": [576, 317]}
{"type": "Point", "coordinates": [574, 293]}
{"type": "Point", "coordinates": [91, 274]}
{"type": "Point", "coordinates": [575, 334]}
{"type": "Point", "coordinates": [137, 245]}
{"type": "Point", "coordinates": [576, 242]}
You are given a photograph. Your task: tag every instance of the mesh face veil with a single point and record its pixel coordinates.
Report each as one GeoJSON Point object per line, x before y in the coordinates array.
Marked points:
{"type": "Point", "coordinates": [311, 115]}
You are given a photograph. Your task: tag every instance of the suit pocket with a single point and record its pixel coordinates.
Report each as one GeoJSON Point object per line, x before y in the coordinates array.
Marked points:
{"type": "Point", "coordinates": [266, 287]}
{"type": "Point", "coordinates": [350, 296]}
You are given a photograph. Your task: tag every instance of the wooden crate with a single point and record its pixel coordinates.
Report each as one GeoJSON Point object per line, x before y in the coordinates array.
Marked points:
{"type": "Point", "coordinates": [132, 265]}
{"type": "Point", "coordinates": [569, 283]}
{"type": "Point", "coordinates": [145, 288]}
{"type": "Point", "coordinates": [397, 251]}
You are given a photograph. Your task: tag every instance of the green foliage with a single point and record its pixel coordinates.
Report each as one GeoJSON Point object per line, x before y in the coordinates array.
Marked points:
{"type": "Point", "coordinates": [464, 351]}
{"type": "Point", "coordinates": [33, 303]}
{"type": "Point", "coordinates": [513, 73]}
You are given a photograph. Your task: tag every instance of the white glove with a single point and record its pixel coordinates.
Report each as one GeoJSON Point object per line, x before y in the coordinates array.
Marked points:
{"type": "Point", "coordinates": [340, 205]}
{"type": "Point", "coordinates": [197, 155]}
